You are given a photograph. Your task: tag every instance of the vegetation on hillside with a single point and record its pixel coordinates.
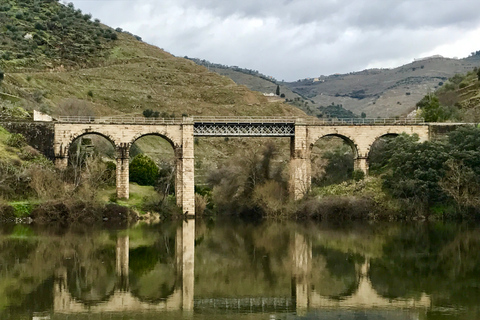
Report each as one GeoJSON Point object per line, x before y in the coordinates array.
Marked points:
{"type": "Point", "coordinates": [30, 186]}
{"type": "Point", "coordinates": [208, 64]}
{"type": "Point", "coordinates": [52, 52]}
{"type": "Point", "coordinates": [335, 111]}
{"type": "Point", "coordinates": [458, 99]}
{"type": "Point", "coordinates": [39, 34]}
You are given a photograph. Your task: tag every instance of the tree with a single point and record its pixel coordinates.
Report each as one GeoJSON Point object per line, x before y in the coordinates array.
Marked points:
{"type": "Point", "coordinates": [363, 115]}
{"type": "Point", "coordinates": [278, 90]}
{"type": "Point", "coordinates": [147, 113]}
{"type": "Point", "coordinates": [415, 170]}
{"type": "Point", "coordinates": [430, 108]}
{"type": "Point", "coordinates": [143, 170]}
{"type": "Point", "coordinates": [478, 74]}
{"type": "Point", "coordinates": [1, 76]}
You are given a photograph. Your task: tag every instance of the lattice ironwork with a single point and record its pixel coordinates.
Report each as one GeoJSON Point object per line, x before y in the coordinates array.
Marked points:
{"type": "Point", "coordinates": [246, 305]}
{"type": "Point", "coordinates": [244, 129]}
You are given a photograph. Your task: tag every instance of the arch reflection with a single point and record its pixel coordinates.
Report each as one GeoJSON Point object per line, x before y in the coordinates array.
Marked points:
{"type": "Point", "coordinates": [178, 296]}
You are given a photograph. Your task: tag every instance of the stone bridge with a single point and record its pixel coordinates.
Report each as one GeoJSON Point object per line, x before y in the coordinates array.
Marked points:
{"type": "Point", "coordinates": [360, 134]}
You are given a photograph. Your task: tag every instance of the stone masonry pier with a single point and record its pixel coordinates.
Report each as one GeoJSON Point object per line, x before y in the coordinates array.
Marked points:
{"type": "Point", "coordinates": [360, 134]}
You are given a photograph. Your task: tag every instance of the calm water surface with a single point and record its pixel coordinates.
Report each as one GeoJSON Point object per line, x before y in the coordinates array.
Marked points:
{"type": "Point", "coordinates": [237, 270]}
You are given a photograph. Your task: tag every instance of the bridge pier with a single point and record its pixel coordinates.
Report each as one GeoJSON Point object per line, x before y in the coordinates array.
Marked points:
{"type": "Point", "coordinates": [300, 166]}
{"type": "Point", "coordinates": [122, 171]}
{"type": "Point", "coordinates": [122, 261]}
{"type": "Point", "coordinates": [61, 162]}
{"type": "Point", "coordinates": [302, 267]}
{"type": "Point", "coordinates": [185, 175]}
{"type": "Point", "coordinates": [361, 163]}
{"type": "Point", "coordinates": [61, 156]}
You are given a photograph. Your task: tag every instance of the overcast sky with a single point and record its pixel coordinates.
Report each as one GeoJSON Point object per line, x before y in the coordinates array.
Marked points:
{"type": "Point", "coordinates": [295, 39]}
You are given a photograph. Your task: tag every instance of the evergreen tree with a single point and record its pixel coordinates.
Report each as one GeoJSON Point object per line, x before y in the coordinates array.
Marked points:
{"type": "Point", "coordinates": [430, 108]}
{"type": "Point", "coordinates": [143, 170]}
{"type": "Point", "coordinates": [278, 90]}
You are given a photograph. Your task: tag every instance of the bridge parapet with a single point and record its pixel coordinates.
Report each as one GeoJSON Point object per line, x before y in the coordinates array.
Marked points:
{"type": "Point", "coordinates": [221, 120]}
{"type": "Point", "coordinates": [365, 121]}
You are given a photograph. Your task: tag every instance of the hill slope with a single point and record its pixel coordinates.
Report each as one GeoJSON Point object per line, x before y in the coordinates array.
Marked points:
{"type": "Point", "coordinates": [110, 71]}
{"type": "Point", "coordinates": [375, 92]}
{"type": "Point", "coordinates": [384, 92]}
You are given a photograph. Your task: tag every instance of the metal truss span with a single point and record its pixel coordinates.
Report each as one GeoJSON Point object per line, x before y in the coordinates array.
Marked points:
{"type": "Point", "coordinates": [244, 129]}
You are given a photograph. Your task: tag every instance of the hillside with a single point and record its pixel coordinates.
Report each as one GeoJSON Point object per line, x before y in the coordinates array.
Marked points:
{"type": "Point", "coordinates": [375, 92]}
{"type": "Point", "coordinates": [257, 81]}
{"type": "Point", "coordinates": [458, 99]}
{"type": "Point", "coordinates": [74, 61]}
{"type": "Point", "coordinates": [384, 92]}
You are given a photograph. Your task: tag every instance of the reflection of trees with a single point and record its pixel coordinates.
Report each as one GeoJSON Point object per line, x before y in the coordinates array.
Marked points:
{"type": "Point", "coordinates": [437, 259]}
{"type": "Point", "coordinates": [155, 285]}
{"type": "Point", "coordinates": [236, 259]}
{"type": "Point", "coordinates": [152, 270]}
{"type": "Point", "coordinates": [29, 262]}
{"type": "Point", "coordinates": [91, 272]}
{"type": "Point", "coordinates": [335, 274]}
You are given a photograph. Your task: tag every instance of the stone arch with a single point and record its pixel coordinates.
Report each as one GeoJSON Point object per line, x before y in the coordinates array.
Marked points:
{"type": "Point", "coordinates": [87, 132]}
{"type": "Point", "coordinates": [163, 136]}
{"type": "Point", "coordinates": [318, 173]}
{"type": "Point", "coordinates": [348, 140]}
{"type": "Point", "coordinates": [377, 138]}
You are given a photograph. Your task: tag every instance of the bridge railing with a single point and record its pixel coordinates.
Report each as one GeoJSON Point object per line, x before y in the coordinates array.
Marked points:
{"type": "Point", "coordinates": [365, 121]}
{"type": "Point", "coordinates": [241, 120]}
{"type": "Point", "coordinates": [117, 120]}
{"type": "Point", "coordinates": [245, 119]}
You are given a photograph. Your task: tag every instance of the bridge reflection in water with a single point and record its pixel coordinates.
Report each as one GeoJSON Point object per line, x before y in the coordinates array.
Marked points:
{"type": "Point", "coordinates": [304, 295]}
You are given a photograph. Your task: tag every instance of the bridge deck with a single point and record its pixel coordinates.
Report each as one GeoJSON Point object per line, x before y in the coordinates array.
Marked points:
{"type": "Point", "coordinates": [242, 120]}
{"type": "Point", "coordinates": [241, 126]}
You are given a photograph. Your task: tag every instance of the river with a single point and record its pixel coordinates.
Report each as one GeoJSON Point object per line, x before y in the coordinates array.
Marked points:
{"type": "Point", "coordinates": [229, 269]}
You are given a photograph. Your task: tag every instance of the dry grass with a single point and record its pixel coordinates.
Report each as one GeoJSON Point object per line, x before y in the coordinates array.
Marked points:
{"type": "Point", "coordinates": [137, 76]}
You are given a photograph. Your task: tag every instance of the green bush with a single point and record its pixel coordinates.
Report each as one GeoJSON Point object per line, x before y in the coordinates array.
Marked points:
{"type": "Point", "coordinates": [16, 140]}
{"type": "Point", "coordinates": [143, 170]}
{"type": "Point", "coordinates": [358, 175]}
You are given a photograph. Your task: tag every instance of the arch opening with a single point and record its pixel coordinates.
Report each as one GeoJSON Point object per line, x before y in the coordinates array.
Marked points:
{"type": "Point", "coordinates": [338, 275]}
{"type": "Point", "coordinates": [91, 281]}
{"type": "Point", "coordinates": [377, 157]}
{"type": "Point", "coordinates": [152, 167]}
{"type": "Point", "coordinates": [91, 163]}
{"type": "Point", "coordinates": [90, 144]}
{"type": "Point", "coordinates": [332, 160]}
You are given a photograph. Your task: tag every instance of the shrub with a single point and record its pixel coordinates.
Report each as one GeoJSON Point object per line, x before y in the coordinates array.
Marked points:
{"type": "Point", "coordinates": [147, 113]}
{"type": "Point", "coordinates": [358, 175]}
{"type": "Point", "coordinates": [143, 170]}
{"type": "Point", "coordinates": [16, 140]}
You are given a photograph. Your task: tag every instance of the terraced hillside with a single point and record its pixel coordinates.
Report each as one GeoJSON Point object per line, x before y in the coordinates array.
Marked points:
{"type": "Point", "coordinates": [384, 92]}
{"type": "Point", "coordinates": [375, 92]}
{"type": "Point", "coordinates": [52, 53]}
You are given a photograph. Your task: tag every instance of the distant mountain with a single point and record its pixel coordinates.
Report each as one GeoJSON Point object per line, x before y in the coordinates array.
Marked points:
{"type": "Point", "coordinates": [257, 81]}
{"type": "Point", "coordinates": [383, 92]}
{"type": "Point", "coordinates": [375, 92]}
